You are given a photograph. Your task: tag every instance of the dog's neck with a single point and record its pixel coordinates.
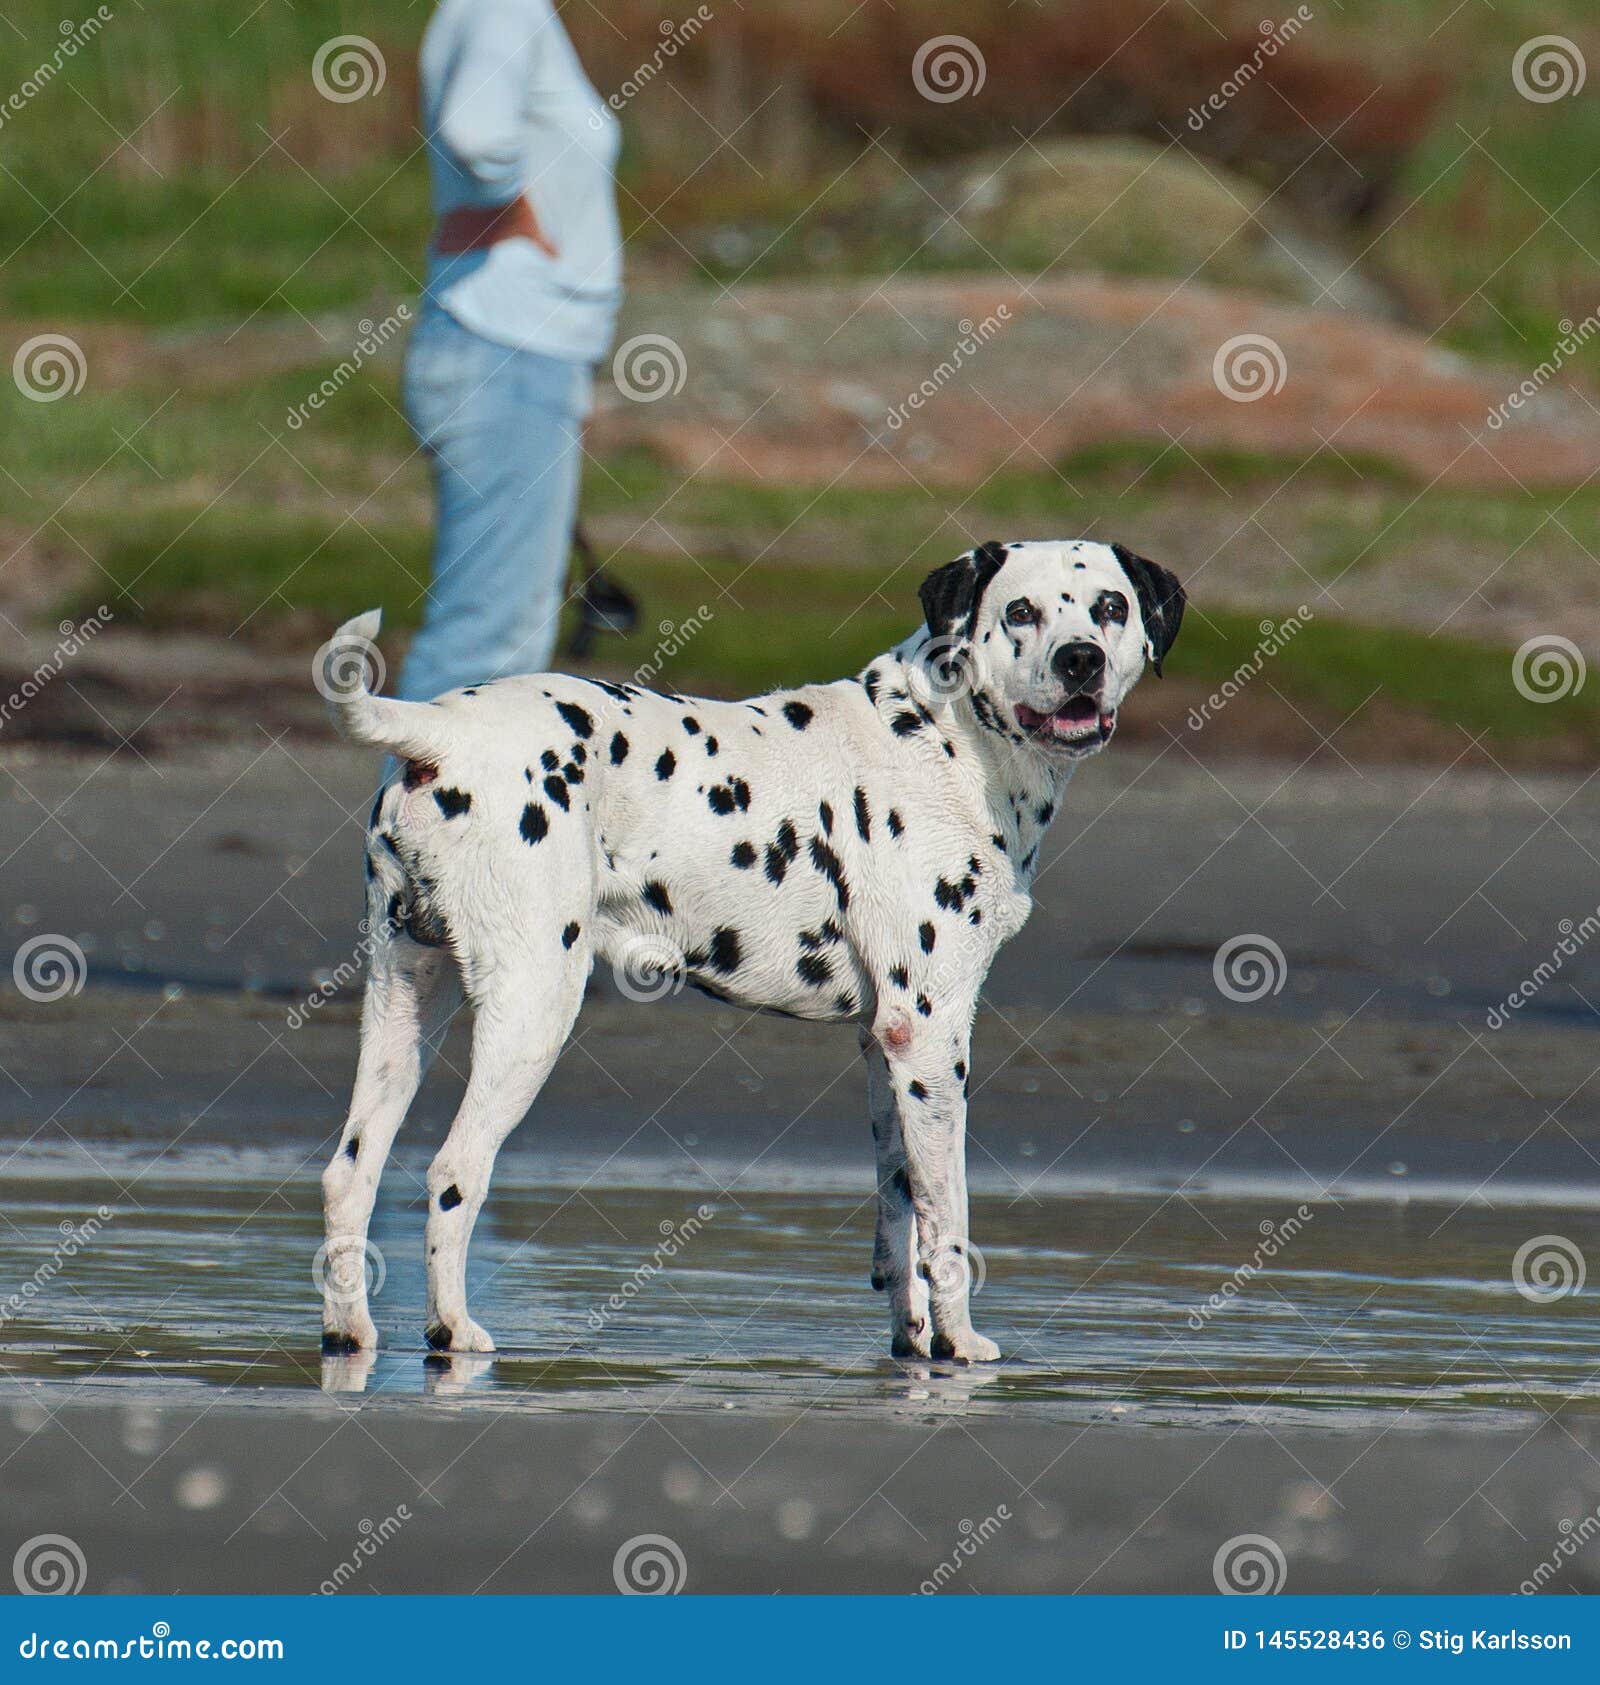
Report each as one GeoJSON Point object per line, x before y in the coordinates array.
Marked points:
{"type": "Point", "coordinates": [965, 737]}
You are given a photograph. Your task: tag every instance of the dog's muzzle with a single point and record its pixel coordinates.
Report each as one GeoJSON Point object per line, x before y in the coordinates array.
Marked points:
{"type": "Point", "coordinates": [1079, 723]}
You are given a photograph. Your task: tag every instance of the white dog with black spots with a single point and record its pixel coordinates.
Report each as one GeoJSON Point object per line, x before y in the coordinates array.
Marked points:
{"type": "Point", "coordinates": [856, 850]}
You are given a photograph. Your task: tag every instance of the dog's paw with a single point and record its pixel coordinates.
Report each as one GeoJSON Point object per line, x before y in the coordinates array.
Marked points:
{"type": "Point", "coordinates": [966, 1347]}
{"type": "Point", "coordinates": [356, 1336]}
{"type": "Point", "coordinates": [466, 1336]}
{"type": "Point", "coordinates": [910, 1339]}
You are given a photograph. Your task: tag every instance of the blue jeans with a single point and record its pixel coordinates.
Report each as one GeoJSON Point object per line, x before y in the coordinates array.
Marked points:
{"type": "Point", "coordinates": [503, 430]}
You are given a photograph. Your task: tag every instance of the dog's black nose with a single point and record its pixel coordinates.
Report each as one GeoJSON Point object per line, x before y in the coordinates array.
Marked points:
{"type": "Point", "coordinates": [1079, 666]}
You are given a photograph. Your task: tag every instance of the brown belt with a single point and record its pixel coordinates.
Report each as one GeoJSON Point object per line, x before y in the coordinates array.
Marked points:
{"type": "Point", "coordinates": [470, 228]}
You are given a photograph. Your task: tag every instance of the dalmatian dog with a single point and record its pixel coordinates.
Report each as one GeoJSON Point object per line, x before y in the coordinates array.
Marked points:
{"type": "Point", "coordinates": [849, 851]}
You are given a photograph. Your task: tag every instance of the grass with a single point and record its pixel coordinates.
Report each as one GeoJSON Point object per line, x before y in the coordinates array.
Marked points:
{"type": "Point", "coordinates": [182, 167]}
{"type": "Point", "coordinates": [739, 626]}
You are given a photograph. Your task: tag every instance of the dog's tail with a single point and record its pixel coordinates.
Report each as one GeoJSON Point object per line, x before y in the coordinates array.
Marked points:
{"type": "Point", "coordinates": [346, 664]}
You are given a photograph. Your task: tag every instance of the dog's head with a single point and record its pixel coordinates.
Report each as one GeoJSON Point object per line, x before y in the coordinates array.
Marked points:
{"type": "Point", "coordinates": [1048, 638]}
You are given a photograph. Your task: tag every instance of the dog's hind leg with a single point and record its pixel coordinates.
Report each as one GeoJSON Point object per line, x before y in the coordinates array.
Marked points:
{"type": "Point", "coordinates": [412, 993]}
{"type": "Point", "coordinates": [894, 1247]}
{"type": "Point", "coordinates": [521, 1022]}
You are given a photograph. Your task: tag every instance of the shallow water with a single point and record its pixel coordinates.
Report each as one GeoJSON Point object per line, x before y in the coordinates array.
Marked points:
{"type": "Point", "coordinates": [202, 1280]}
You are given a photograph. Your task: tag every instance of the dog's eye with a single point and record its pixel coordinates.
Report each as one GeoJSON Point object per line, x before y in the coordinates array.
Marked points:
{"type": "Point", "coordinates": [1112, 607]}
{"type": "Point", "coordinates": [1021, 613]}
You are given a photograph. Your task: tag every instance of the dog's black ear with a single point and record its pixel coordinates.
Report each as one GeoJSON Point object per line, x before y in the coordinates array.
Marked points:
{"type": "Point", "coordinates": [1161, 602]}
{"type": "Point", "coordinates": [950, 595]}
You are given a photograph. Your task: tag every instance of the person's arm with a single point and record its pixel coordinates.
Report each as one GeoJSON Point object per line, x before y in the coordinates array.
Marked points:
{"type": "Point", "coordinates": [483, 108]}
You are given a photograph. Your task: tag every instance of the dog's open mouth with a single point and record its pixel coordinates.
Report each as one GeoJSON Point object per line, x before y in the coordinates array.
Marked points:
{"type": "Point", "coordinates": [1079, 723]}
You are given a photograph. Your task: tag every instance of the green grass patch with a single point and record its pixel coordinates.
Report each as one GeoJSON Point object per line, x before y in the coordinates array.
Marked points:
{"type": "Point", "coordinates": [721, 625]}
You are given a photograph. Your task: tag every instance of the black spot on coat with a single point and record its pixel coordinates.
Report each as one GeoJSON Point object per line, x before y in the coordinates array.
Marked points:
{"type": "Point", "coordinates": [570, 934]}
{"type": "Point", "coordinates": [797, 714]}
{"type": "Point", "coordinates": [453, 803]}
{"type": "Point", "coordinates": [725, 951]}
{"type": "Point", "coordinates": [655, 894]}
{"type": "Point", "coordinates": [535, 823]}
{"type": "Point", "coordinates": [579, 720]}
{"type": "Point", "coordinates": [666, 765]}
{"type": "Point", "coordinates": [619, 749]}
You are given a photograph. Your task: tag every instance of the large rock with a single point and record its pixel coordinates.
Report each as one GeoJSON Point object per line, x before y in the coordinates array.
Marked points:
{"type": "Point", "coordinates": [951, 379]}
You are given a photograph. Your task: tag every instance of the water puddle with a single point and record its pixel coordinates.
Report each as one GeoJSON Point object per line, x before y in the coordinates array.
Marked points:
{"type": "Point", "coordinates": [1149, 1308]}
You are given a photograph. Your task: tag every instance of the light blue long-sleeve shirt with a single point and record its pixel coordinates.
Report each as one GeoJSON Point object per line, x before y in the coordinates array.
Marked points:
{"type": "Point", "coordinates": [508, 110]}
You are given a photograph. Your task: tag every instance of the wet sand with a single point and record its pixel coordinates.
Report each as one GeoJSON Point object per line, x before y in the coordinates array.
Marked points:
{"type": "Point", "coordinates": [462, 1500]}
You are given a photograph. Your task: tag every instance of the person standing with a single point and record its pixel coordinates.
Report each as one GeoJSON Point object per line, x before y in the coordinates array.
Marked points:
{"type": "Point", "coordinates": [523, 284]}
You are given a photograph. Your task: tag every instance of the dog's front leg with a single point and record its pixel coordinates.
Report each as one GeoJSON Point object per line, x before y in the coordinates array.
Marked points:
{"type": "Point", "coordinates": [926, 1067]}
{"type": "Point", "coordinates": [894, 1247]}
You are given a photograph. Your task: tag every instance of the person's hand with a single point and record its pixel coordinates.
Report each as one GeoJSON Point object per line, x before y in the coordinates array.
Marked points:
{"type": "Point", "coordinates": [470, 228]}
